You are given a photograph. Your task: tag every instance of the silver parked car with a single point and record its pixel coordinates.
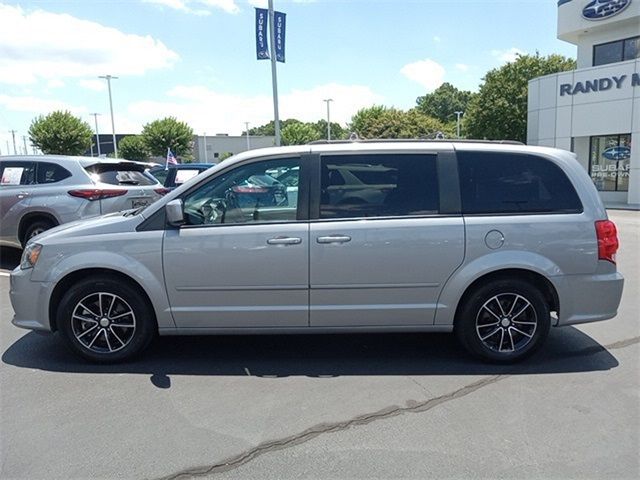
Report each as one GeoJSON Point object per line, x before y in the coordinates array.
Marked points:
{"type": "Point", "coordinates": [40, 192]}
{"type": "Point", "coordinates": [495, 242]}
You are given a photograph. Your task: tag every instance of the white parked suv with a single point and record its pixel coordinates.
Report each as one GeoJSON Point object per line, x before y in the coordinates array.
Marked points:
{"type": "Point", "coordinates": [495, 242]}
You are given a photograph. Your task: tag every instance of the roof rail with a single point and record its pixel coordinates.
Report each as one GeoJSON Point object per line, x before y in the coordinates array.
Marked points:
{"type": "Point", "coordinates": [413, 140]}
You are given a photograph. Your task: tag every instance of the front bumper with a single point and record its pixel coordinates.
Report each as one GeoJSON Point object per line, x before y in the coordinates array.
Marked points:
{"type": "Point", "coordinates": [30, 301]}
{"type": "Point", "coordinates": [588, 298]}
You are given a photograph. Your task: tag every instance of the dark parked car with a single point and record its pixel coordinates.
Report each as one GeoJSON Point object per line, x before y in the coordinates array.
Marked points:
{"type": "Point", "coordinates": [176, 175]}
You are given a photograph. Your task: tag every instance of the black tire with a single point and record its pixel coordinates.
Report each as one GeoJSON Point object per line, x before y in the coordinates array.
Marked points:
{"type": "Point", "coordinates": [36, 228]}
{"type": "Point", "coordinates": [503, 321]}
{"type": "Point", "coordinates": [105, 336]}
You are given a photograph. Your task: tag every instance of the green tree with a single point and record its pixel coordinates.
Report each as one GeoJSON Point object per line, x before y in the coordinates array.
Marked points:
{"type": "Point", "coordinates": [269, 129]}
{"type": "Point", "coordinates": [444, 102]}
{"type": "Point", "coordinates": [134, 147]}
{"type": "Point", "coordinates": [299, 133]}
{"type": "Point", "coordinates": [388, 122]}
{"type": "Point", "coordinates": [499, 110]}
{"type": "Point", "coordinates": [168, 132]}
{"type": "Point", "coordinates": [337, 132]}
{"type": "Point", "coordinates": [60, 133]}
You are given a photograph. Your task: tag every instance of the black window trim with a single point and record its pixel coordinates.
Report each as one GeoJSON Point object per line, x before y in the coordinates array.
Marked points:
{"type": "Point", "coordinates": [302, 215]}
{"type": "Point", "coordinates": [574, 211]}
{"type": "Point", "coordinates": [448, 185]}
{"type": "Point", "coordinates": [623, 42]}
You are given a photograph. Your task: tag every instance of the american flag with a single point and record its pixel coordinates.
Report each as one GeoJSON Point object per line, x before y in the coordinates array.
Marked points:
{"type": "Point", "coordinates": [171, 158]}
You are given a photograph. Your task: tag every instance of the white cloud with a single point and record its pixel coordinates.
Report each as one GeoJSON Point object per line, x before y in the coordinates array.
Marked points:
{"type": "Point", "coordinates": [462, 67]}
{"type": "Point", "coordinates": [215, 112]}
{"type": "Point", "coordinates": [37, 106]}
{"type": "Point", "coordinates": [77, 48]}
{"type": "Point", "coordinates": [506, 56]}
{"type": "Point", "coordinates": [197, 7]}
{"type": "Point", "coordinates": [93, 84]}
{"type": "Point", "coordinates": [55, 83]}
{"type": "Point", "coordinates": [437, 39]}
{"type": "Point", "coordinates": [426, 72]}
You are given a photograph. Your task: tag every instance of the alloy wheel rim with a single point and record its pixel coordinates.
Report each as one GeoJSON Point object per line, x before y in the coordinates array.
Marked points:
{"type": "Point", "coordinates": [36, 231]}
{"type": "Point", "coordinates": [506, 323]}
{"type": "Point", "coordinates": [103, 322]}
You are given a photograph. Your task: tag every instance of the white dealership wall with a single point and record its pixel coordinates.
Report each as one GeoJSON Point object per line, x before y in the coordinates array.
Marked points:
{"type": "Point", "coordinates": [559, 119]}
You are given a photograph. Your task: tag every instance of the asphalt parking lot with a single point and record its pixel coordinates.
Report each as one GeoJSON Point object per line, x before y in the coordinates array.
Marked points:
{"type": "Point", "coordinates": [351, 406]}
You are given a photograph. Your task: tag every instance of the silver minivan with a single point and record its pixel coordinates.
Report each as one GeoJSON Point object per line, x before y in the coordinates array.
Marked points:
{"type": "Point", "coordinates": [495, 242]}
{"type": "Point", "coordinates": [39, 192]}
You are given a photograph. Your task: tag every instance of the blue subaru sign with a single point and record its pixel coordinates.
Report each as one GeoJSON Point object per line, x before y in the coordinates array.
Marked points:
{"type": "Point", "coordinates": [617, 153]}
{"type": "Point", "coordinates": [601, 9]}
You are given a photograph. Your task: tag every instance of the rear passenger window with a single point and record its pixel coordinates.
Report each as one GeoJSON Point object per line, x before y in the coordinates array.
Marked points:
{"type": "Point", "coordinates": [50, 173]}
{"type": "Point", "coordinates": [17, 173]}
{"type": "Point", "coordinates": [504, 183]}
{"type": "Point", "coordinates": [378, 185]}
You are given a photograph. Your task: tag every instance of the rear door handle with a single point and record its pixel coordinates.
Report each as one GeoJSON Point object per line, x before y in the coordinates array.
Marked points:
{"type": "Point", "coordinates": [334, 239]}
{"type": "Point", "coordinates": [284, 241]}
{"type": "Point", "coordinates": [22, 195]}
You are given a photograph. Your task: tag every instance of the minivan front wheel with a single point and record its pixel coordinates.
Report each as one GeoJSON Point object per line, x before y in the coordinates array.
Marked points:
{"type": "Point", "coordinates": [105, 320]}
{"type": "Point", "coordinates": [504, 321]}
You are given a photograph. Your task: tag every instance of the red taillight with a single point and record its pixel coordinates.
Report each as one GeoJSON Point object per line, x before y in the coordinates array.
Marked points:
{"type": "Point", "coordinates": [97, 193]}
{"type": "Point", "coordinates": [607, 240]}
{"type": "Point", "coordinates": [245, 189]}
{"type": "Point", "coordinates": [162, 191]}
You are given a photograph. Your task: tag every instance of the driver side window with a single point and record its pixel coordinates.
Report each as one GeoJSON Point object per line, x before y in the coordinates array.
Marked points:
{"type": "Point", "coordinates": [258, 192]}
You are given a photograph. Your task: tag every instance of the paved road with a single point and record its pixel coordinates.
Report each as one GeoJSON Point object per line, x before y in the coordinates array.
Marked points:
{"type": "Point", "coordinates": [353, 406]}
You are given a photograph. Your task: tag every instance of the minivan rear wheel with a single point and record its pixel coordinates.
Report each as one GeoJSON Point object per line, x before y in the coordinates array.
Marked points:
{"type": "Point", "coordinates": [105, 320]}
{"type": "Point", "coordinates": [503, 321]}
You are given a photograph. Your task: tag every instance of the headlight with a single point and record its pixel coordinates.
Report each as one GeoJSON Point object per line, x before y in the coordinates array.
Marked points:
{"type": "Point", "coordinates": [30, 255]}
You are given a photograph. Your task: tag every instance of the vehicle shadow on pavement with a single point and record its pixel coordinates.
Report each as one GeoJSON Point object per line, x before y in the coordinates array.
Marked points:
{"type": "Point", "coordinates": [566, 350]}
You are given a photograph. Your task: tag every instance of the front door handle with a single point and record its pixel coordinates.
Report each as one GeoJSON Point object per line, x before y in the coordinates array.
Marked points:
{"type": "Point", "coordinates": [284, 241]}
{"type": "Point", "coordinates": [22, 195]}
{"type": "Point", "coordinates": [334, 239]}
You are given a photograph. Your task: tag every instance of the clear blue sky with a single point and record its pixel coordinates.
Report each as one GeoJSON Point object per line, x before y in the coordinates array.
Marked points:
{"type": "Point", "coordinates": [195, 59]}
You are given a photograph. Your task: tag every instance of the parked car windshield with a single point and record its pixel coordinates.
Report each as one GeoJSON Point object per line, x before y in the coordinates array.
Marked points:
{"type": "Point", "coordinates": [120, 174]}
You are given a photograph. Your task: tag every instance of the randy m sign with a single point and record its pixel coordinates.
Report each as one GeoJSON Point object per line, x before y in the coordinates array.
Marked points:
{"type": "Point", "coordinates": [599, 84]}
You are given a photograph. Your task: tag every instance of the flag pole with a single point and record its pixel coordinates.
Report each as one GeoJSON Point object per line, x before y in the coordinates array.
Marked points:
{"type": "Point", "coordinates": [274, 75]}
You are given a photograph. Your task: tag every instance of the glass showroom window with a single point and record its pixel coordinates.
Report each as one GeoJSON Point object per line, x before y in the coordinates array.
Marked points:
{"type": "Point", "coordinates": [609, 162]}
{"type": "Point", "coordinates": [618, 51]}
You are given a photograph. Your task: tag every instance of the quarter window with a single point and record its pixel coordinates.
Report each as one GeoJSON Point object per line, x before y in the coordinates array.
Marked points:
{"type": "Point", "coordinates": [248, 194]}
{"type": "Point", "coordinates": [506, 183]}
{"type": "Point", "coordinates": [51, 173]}
{"type": "Point", "coordinates": [378, 185]}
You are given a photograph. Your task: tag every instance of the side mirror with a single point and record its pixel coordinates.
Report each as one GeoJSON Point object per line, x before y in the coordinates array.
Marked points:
{"type": "Point", "coordinates": [175, 215]}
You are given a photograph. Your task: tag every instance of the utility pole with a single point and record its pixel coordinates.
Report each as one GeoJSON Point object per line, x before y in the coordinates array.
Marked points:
{"type": "Point", "coordinates": [206, 159]}
{"type": "Point", "coordinates": [13, 135]}
{"type": "Point", "coordinates": [8, 151]}
{"type": "Point", "coordinates": [24, 141]}
{"type": "Point", "coordinates": [95, 118]}
{"type": "Point", "coordinates": [246, 127]}
{"type": "Point", "coordinates": [328, 102]}
{"type": "Point", "coordinates": [274, 75]}
{"type": "Point", "coordinates": [108, 78]}
{"type": "Point", "coordinates": [458, 114]}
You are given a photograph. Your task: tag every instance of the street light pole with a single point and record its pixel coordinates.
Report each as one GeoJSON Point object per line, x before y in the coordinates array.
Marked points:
{"type": "Point", "coordinates": [108, 78]}
{"type": "Point", "coordinates": [274, 75]}
{"type": "Point", "coordinates": [246, 129]}
{"type": "Point", "coordinates": [95, 118]}
{"type": "Point", "coordinates": [24, 142]}
{"type": "Point", "coordinates": [458, 114]}
{"type": "Point", "coordinates": [13, 135]}
{"type": "Point", "coordinates": [206, 159]}
{"type": "Point", "coordinates": [328, 102]}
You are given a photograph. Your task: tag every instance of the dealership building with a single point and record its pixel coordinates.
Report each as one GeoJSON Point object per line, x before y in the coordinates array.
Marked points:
{"type": "Point", "coordinates": [594, 110]}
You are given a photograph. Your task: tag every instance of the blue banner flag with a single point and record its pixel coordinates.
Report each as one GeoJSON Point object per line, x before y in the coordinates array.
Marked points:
{"type": "Point", "coordinates": [280, 20]}
{"type": "Point", "coordinates": [262, 44]}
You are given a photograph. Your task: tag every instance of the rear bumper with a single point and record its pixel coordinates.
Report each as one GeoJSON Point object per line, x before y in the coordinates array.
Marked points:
{"type": "Point", "coordinates": [588, 298]}
{"type": "Point", "coordinates": [30, 301]}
